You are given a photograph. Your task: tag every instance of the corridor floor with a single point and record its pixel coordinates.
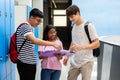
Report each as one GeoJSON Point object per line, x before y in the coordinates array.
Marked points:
{"type": "Point", "coordinates": [66, 68]}
{"type": "Point", "coordinates": [65, 72]}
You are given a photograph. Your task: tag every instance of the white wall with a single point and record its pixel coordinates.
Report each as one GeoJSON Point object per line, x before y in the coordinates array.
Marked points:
{"type": "Point", "coordinates": [20, 15]}
{"type": "Point", "coordinates": [38, 4]}
{"type": "Point", "coordinates": [24, 2]}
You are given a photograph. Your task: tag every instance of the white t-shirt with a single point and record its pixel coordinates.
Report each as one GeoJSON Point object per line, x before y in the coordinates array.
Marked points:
{"type": "Point", "coordinates": [79, 37]}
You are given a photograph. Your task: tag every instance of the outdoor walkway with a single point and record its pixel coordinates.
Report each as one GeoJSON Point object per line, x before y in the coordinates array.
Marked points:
{"type": "Point", "coordinates": [65, 72]}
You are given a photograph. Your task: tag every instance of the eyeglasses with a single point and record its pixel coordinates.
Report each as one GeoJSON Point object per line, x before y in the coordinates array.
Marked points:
{"type": "Point", "coordinates": [53, 33]}
{"type": "Point", "coordinates": [38, 20]}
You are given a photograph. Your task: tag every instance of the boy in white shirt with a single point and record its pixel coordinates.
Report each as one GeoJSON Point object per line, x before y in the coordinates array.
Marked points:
{"type": "Point", "coordinates": [82, 61]}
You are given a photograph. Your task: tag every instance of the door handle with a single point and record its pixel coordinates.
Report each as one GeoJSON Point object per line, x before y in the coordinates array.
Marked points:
{"type": "Point", "coordinates": [6, 14]}
{"type": "Point", "coordinates": [1, 58]}
{"type": "Point", "coordinates": [0, 13]}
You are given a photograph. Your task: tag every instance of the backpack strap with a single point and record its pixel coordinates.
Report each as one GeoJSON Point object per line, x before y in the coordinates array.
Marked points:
{"type": "Point", "coordinates": [87, 32]}
{"type": "Point", "coordinates": [22, 45]}
{"type": "Point", "coordinates": [24, 40]}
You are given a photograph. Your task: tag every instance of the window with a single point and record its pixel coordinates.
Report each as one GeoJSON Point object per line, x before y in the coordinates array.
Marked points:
{"type": "Point", "coordinates": [59, 18]}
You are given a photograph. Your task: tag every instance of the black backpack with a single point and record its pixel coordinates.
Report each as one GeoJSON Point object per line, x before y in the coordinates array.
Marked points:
{"type": "Point", "coordinates": [96, 52]}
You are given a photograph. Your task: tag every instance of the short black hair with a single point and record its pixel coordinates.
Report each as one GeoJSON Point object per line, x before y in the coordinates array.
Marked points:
{"type": "Point", "coordinates": [73, 9]}
{"type": "Point", "coordinates": [36, 13]}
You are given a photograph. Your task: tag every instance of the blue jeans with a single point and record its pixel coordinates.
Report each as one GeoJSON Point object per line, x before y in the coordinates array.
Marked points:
{"type": "Point", "coordinates": [49, 74]}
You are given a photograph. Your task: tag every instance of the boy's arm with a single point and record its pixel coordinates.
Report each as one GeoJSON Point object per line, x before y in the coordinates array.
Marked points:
{"type": "Point", "coordinates": [95, 44]}
{"type": "Point", "coordinates": [65, 60]}
{"type": "Point", "coordinates": [37, 41]}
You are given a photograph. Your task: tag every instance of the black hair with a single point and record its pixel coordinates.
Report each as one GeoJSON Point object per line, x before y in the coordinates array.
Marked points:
{"type": "Point", "coordinates": [46, 30]}
{"type": "Point", "coordinates": [36, 13]}
{"type": "Point", "coordinates": [71, 10]}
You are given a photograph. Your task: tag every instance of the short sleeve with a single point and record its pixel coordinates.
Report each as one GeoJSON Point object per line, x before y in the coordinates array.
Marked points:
{"type": "Point", "coordinates": [41, 48]}
{"type": "Point", "coordinates": [92, 32]}
{"type": "Point", "coordinates": [26, 30]}
{"type": "Point", "coordinates": [60, 42]}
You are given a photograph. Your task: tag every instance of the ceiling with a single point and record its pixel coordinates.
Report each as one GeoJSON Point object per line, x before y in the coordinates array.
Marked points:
{"type": "Point", "coordinates": [61, 1]}
{"type": "Point", "coordinates": [58, 1]}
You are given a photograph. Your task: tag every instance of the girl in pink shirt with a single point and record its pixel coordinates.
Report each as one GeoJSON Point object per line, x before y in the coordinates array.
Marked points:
{"type": "Point", "coordinates": [51, 66]}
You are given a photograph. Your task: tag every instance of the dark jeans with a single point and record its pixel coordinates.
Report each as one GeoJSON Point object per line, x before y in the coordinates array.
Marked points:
{"type": "Point", "coordinates": [48, 74]}
{"type": "Point", "coordinates": [26, 71]}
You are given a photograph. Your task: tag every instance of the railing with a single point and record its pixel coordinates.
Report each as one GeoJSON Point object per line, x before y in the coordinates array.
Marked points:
{"type": "Point", "coordinates": [109, 59]}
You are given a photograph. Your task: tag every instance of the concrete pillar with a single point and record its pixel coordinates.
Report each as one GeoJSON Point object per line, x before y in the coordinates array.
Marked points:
{"type": "Point", "coordinates": [39, 4]}
{"type": "Point", "coordinates": [23, 2]}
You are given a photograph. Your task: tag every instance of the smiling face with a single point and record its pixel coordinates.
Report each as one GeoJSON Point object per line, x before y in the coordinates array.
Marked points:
{"type": "Point", "coordinates": [52, 34]}
{"type": "Point", "coordinates": [35, 21]}
{"type": "Point", "coordinates": [74, 18]}
{"type": "Point", "coordinates": [35, 17]}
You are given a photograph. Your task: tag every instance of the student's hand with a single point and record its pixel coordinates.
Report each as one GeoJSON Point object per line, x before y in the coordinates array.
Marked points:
{"type": "Point", "coordinates": [76, 47]}
{"type": "Point", "coordinates": [40, 52]}
{"type": "Point", "coordinates": [42, 57]}
{"type": "Point", "coordinates": [59, 57]}
{"type": "Point", "coordinates": [58, 47]}
{"type": "Point", "coordinates": [65, 60]}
